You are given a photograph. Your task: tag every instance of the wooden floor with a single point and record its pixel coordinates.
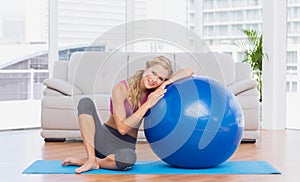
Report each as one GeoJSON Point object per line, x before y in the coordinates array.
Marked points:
{"type": "Point", "coordinates": [20, 148]}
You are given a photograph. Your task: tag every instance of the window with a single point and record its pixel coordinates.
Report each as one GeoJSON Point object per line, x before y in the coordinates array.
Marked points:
{"type": "Point", "coordinates": [291, 57]}
{"type": "Point", "coordinates": [81, 24]}
{"type": "Point", "coordinates": [23, 61]}
{"type": "Point", "coordinates": [291, 87]}
{"type": "Point", "coordinates": [294, 86]}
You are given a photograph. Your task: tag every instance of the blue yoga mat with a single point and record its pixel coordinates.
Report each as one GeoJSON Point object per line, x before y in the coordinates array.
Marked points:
{"type": "Point", "coordinates": [157, 167]}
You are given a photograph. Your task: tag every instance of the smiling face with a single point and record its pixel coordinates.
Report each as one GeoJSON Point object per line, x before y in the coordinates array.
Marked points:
{"type": "Point", "coordinates": [154, 76]}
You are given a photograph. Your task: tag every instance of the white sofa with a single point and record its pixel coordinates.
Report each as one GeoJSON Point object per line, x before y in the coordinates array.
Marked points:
{"type": "Point", "coordinates": [93, 74]}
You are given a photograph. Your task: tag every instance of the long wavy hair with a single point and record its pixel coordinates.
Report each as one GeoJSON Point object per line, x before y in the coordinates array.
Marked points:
{"type": "Point", "coordinates": [134, 91]}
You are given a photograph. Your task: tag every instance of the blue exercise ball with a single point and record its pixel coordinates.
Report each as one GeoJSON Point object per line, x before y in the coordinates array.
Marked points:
{"type": "Point", "coordinates": [197, 124]}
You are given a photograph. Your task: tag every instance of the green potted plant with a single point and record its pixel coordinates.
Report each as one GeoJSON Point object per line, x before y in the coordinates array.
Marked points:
{"type": "Point", "coordinates": [253, 54]}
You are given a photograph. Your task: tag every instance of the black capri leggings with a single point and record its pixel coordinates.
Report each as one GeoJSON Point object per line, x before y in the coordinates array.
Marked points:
{"type": "Point", "coordinates": [108, 140]}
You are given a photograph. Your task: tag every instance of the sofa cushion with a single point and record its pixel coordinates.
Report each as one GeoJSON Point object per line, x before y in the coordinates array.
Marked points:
{"type": "Point", "coordinates": [243, 71]}
{"type": "Point", "coordinates": [97, 72]}
{"type": "Point", "coordinates": [220, 67]}
{"type": "Point", "coordinates": [138, 61]}
{"type": "Point", "coordinates": [60, 70]}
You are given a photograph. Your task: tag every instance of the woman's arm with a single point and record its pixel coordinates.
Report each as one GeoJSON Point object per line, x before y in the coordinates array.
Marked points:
{"type": "Point", "coordinates": [123, 124]}
{"type": "Point", "coordinates": [180, 74]}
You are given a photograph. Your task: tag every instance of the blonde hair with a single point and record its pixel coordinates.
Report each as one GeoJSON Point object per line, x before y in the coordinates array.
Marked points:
{"type": "Point", "coordinates": [134, 91]}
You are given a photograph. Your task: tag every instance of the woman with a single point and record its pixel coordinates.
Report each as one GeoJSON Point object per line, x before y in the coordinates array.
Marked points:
{"type": "Point", "coordinates": [112, 145]}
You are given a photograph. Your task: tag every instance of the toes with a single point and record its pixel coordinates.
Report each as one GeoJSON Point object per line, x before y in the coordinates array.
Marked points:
{"type": "Point", "coordinates": [86, 167]}
{"type": "Point", "coordinates": [82, 169]}
{"type": "Point", "coordinates": [66, 162]}
{"type": "Point", "coordinates": [79, 170]}
{"type": "Point", "coordinates": [73, 162]}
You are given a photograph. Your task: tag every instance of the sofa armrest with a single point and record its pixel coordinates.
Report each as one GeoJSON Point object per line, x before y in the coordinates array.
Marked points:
{"type": "Point", "coordinates": [242, 86]}
{"type": "Point", "coordinates": [62, 86]}
{"type": "Point", "coordinates": [51, 92]}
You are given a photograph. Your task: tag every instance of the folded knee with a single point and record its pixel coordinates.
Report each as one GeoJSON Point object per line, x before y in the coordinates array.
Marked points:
{"type": "Point", "coordinates": [125, 159]}
{"type": "Point", "coordinates": [86, 106]}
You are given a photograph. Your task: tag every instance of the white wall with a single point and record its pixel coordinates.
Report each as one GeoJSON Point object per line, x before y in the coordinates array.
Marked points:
{"type": "Point", "coordinates": [274, 70]}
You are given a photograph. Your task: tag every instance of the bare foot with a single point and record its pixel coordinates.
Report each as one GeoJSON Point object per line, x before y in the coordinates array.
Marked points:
{"type": "Point", "coordinates": [88, 165]}
{"type": "Point", "coordinates": [73, 161]}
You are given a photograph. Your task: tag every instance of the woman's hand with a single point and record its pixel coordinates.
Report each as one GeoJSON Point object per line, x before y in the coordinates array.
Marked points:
{"type": "Point", "coordinates": [155, 96]}
{"type": "Point", "coordinates": [164, 84]}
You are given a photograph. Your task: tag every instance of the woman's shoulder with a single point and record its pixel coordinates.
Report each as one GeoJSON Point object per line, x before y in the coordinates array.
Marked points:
{"type": "Point", "coordinates": [124, 82]}
{"type": "Point", "coordinates": [120, 88]}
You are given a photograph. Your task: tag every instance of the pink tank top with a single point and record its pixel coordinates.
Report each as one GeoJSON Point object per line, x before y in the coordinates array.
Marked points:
{"type": "Point", "coordinates": [128, 109]}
